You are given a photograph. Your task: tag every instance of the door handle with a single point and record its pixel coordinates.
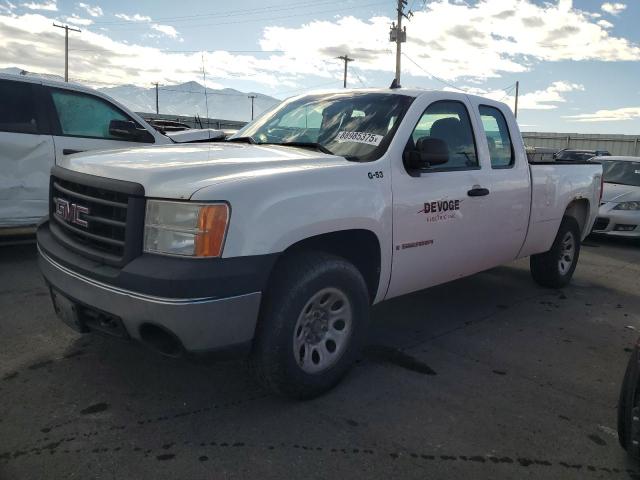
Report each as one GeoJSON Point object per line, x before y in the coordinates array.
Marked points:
{"type": "Point", "coordinates": [69, 151]}
{"type": "Point", "coordinates": [478, 192]}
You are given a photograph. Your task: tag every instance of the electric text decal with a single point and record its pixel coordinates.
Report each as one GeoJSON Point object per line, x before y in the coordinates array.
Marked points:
{"type": "Point", "coordinates": [441, 210]}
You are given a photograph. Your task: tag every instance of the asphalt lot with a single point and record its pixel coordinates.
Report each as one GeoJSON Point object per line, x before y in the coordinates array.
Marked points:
{"type": "Point", "coordinates": [485, 377]}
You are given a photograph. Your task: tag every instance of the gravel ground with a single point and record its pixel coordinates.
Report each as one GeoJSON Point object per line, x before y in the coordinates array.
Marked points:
{"type": "Point", "coordinates": [485, 377]}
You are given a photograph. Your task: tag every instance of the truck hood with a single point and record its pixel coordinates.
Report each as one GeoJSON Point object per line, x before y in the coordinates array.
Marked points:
{"type": "Point", "coordinates": [178, 171]}
{"type": "Point", "coordinates": [614, 192]}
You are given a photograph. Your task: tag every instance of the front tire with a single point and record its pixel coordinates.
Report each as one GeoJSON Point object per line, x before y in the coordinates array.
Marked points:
{"type": "Point", "coordinates": [313, 323]}
{"type": "Point", "coordinates": [554, 269]}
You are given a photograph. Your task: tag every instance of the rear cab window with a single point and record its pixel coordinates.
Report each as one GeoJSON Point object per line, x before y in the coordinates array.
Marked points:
{"type": "Point", "coordinates": [18, 113]}
{"type": "Point", "coordinates": [498, 137]}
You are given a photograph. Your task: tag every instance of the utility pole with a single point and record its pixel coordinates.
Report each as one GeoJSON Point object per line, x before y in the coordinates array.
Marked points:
{"type": "Point", "coordinates": [517, 92]}
{"type": "Point", "coordinates": [252, 97]}
{"type": "Point", "coordinates": [398, 34]}
{"type": "Point", "coordinates": [157, 105]}
{"type": "Point", "coordinates": [66, 47]}
{"type": "Point", "coordinates": [346, 61]}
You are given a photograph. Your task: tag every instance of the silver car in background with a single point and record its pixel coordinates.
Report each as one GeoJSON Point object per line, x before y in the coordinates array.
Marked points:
{"type": "Point", "coordinates": [619, 213]}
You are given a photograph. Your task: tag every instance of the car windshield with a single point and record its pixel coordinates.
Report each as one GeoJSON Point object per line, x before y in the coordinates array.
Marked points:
{"type": "Point", "coordinates": [625, 173]}
{"type": "Point", "coordinates": [358, 126]}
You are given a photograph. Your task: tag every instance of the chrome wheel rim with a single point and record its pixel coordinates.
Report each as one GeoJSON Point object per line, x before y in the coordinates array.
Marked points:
{"type": "Point", "coordinates": [567, 253]}
{"type": "Point", "coordinates": [322, 331]}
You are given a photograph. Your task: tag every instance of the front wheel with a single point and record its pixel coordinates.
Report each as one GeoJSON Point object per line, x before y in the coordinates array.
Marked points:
{"type": "Point", "coordinates": [313, 323]}
{"type": "Point", "coordinates": [554, 269]}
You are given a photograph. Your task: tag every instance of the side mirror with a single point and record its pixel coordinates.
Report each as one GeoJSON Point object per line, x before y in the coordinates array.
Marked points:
{"type": "Point", "coordinates": [128, 130]}
{"type": "Point", "coordinates": [428, 153]}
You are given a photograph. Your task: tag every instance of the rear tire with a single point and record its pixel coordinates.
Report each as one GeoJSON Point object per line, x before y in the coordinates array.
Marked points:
{"type": "Point", "coordinates": [313, 323]}
{"type": "Point", "coordinates": [554, 269]}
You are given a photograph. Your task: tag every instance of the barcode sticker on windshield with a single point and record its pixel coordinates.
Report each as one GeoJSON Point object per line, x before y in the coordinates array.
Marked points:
{"type": "Point", "coordinates": [359, 137]}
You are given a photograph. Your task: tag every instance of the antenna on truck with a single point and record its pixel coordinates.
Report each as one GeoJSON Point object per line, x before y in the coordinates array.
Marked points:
{"type": "Point", "coordinates": [395, 84]}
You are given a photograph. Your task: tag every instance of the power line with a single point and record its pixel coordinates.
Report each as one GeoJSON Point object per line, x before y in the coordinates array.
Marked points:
{"type": "Point", "coordinates": [224, 14]}
{"type": "Point", "coordinates": [332, 82]}
{"type": "Point", "coordinates": [508, 93]}
{"type": "Point", "coordinates": [306, 14]}
{"type": "Point", "coordinates": [433, 76]}
{"type": "Point", "coordinates": [102, 50]}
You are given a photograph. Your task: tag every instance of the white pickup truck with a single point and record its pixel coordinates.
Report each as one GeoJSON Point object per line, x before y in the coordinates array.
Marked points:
{"type": "Point", "coordinates": [276, 242]}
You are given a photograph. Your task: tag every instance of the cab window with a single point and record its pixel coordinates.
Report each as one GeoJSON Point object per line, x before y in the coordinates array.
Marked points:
{"type": "Point", "coordinates": [17, 108]}
{"type": "Point", "coordinates": [498, 137]}
{"type": "Point", "coordinates": [82, 115]}
{"type": "Point", "coordinates": [448, 121]}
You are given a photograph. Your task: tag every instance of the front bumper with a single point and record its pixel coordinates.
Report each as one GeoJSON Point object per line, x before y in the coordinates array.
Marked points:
{"type": "Point", "coordinates": [200, 323]}
{"type": "Point", "coordinates": [610, 222]}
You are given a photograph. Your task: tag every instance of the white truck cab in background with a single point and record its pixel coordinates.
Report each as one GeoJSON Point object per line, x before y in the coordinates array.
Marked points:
{"type": "Point", "coordinates": [43, 120]}
{"type": "Point", "coordinates": [276, 242]}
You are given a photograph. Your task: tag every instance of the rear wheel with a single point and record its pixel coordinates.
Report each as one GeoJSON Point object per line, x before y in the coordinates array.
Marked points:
{"type": "Point", "coordinates": [555, 268]}
{"type": "Point", "coordinates": [313, 322]}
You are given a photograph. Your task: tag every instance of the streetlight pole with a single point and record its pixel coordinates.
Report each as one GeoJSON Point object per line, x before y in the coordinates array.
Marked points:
{"type": "Point", "coordinates": [157, 102]}
{"type": "Point", "coordinates": [517, 93]}
{"type": "Point", "coordinates": [252, 97]}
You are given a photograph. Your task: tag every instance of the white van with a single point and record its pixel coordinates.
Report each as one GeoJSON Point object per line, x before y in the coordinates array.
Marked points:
{"type": "Point", "coordinates": [41, 121]}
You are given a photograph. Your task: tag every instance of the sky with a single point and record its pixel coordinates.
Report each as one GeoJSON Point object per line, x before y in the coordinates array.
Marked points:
{"type": "Point", "coordinates": [577, 61]}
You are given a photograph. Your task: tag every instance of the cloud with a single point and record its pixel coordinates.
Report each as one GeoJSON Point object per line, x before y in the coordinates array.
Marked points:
{"type": "Point", "coordinates": [76, 20]}
{"type": "Point", "coordinates": [605, 24]}
{"type": "Point", "coordinates": [168, 30]}
{"type": "Point", "coordinates": [7, 7]}
{"type": "Point", "coordinates": [133, 18]}
{"type": "Point", "coordinates": [454, 41]}
{"type": "Point", "coordinates": [92, 11]}
{"type": "Point", "coordinates": [461, 40]}
{"type": "Point", "coordinates": [47, 5]}
{"type": "Point", "coordinates": [613, 8]}
{"type": "Point", "coordinates": [546, 99]}
{"type": "Point", "coordinates": [28, 42]}
{"type": "Point", "coordinates": [617, 115]}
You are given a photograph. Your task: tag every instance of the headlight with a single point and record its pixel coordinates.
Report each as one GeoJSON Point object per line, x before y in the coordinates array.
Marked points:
{"type": "Point", "coordinates": [627, 206]}
{"type": "Point", "coordinates": [185, 228]}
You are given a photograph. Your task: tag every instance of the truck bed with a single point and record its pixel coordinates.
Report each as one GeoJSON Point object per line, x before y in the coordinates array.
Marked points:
{"type": "Point", "coordinates": [554, 185]}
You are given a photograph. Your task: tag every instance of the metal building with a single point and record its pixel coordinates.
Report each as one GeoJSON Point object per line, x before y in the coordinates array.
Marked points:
{"type": "Point", "coordinates": [615, 144]}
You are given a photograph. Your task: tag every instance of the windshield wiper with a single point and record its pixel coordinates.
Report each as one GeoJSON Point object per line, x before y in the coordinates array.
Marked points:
{"type": "Point", "coordinates": [242, 139]}
{"type": "Point", "coordinates": [314, 145]}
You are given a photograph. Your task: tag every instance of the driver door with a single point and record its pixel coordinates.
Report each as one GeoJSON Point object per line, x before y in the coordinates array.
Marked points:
{"type": "Point", "coordinates": [439, 214]}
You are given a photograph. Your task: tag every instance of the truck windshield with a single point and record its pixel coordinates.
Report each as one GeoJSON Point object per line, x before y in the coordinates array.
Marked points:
{"type": "Point", "coordinates": [625, 173]}
{"type": "Point", "coordinates": [357, 126]}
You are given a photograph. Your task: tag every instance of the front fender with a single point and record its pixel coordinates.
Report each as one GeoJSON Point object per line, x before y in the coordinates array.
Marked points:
{"type": "Point", "coordinates": [271, 213]}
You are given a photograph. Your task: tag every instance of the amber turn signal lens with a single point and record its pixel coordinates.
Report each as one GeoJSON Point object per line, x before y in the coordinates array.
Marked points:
{"type": "Point", "coordinates": [212, 228]}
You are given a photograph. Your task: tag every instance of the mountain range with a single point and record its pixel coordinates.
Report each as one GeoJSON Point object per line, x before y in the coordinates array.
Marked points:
{"type": "Point", "coordinates": [182, 99]}
{"type": "Point", "coordinates": [189, 99]}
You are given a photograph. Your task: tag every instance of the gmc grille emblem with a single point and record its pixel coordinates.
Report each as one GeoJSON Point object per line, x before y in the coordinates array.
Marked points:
{"type": "Point", "coordinates": [70, 212]}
